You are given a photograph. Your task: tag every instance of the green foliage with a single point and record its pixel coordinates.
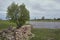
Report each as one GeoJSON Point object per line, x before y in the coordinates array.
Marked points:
{"type": "Point", "coordinates": [18, 14]}
{"type": "Point", "coordinates": [11, 11]}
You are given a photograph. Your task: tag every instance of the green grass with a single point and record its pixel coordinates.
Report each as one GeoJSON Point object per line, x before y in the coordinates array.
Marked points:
{"type": "Point", "coordinates": [6, 24]}
{"type": "Point", "coordinates": [40, 33]}
{"type": "Point", "coordinates": [45, 34]}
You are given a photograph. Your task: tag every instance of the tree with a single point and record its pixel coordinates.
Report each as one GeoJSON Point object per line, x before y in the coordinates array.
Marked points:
{"type": "Point", "coordinates": [58, 18]}
{"type": "Point", "coordinates": [18, 14]}
{"type": "Point", "coordinates": [43, 18]}
{"type": "Point", "coordinates": [54, 18]}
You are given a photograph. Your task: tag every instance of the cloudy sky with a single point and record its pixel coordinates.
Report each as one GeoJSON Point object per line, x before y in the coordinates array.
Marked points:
{"type": "Point", "coordinates": [37, 8]}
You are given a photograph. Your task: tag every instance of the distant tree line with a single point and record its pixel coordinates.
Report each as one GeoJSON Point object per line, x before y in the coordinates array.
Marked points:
{"type": "Point", "coordinates": [43, 18]}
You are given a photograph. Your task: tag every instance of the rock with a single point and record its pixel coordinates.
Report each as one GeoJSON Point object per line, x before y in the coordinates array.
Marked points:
{"type": "Point", "coordinates": [23, 33]}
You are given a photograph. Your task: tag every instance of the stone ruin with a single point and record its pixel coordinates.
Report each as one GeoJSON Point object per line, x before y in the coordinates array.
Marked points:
{"type": "Point", "coordinates": [23, 33]}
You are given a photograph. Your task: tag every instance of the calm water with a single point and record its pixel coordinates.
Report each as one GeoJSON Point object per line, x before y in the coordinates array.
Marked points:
{"type": "Point", "coordinates": [45, 24]}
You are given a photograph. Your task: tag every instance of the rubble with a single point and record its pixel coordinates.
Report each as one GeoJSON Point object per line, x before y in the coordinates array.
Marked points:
{"type": "Point", "coordinates": [23, 33]}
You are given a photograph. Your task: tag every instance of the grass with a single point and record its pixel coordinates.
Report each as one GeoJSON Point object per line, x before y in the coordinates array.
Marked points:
{"type": "Point", "coordinates": [46, 34]}
{"type": "Point", "coordinates": [40, 33]}
{"type": "Point", "coordinates": [6, 24]}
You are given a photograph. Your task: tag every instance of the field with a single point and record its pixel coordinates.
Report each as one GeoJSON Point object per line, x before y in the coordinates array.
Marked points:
{"type": "Point", "coordinates": [46, 34]}
{"type": "Point", "coordinates": [5, 24]}
{"type": "Point", "coordinates": [40, 33]}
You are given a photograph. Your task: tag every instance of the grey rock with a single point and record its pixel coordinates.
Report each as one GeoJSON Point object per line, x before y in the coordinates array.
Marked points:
{"type": "Point", "coordinates": [23, 33]}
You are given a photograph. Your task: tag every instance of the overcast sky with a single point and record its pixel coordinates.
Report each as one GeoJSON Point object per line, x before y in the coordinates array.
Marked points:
{"type": "Point", "coordinates": [37, 8]}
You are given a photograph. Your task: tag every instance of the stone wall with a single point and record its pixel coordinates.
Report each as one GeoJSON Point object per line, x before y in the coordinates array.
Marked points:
{"type": "Point", "coordinates": [23, 33]}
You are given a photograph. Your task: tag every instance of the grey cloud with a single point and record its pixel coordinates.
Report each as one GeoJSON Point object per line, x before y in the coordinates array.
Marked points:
{"type": "Point", "coordinates": [57, 1]}
{"type": "Point", "coordinates": [37, 9]}
{"type": "Point", "coordinates": [3, 16]}
{"type": "Point", "coordinates": [4, 4]}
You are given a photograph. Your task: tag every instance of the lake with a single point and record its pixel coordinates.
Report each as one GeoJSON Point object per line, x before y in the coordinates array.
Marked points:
{"type": "Point", "coordinates": [45, 24]}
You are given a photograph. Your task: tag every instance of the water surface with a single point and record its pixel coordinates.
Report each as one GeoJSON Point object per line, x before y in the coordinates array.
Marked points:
{"type": "Point", "coordinates": [45, 24]}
